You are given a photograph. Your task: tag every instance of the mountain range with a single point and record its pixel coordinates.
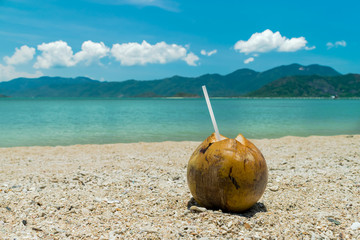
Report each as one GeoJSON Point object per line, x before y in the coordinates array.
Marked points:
{"type": "Point", "coordinates": [289, 80]}
{"type": "Point", "coordinates": [311, 86]}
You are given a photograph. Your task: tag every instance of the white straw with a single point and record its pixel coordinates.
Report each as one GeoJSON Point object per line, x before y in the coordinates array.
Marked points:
{"type": "Point", "coordinates": [217, 134]}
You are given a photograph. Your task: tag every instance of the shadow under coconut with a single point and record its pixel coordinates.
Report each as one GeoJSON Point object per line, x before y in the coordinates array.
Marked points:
{"type": "Point", "coordinates": [258, 207]}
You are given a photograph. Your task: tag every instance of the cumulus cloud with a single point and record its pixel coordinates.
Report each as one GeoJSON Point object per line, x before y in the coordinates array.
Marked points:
{"type": "Point", "coordinates": [22, 55]}
{"type": "Point", "coordinates": [129, 54]}
{"type": "Point", "coordinates": [91, 51]}
{"type": "Point", "coordinates": [341, 43]}
{"type": "Point", "coordinates": [191, 59]}
{"type": "Point", "coordinates": [57, 53]}
{"type": "Point", "coordinates": [249, 60]}
{"type": "Point", "coordinates": [205, 53]}
{"type": "Point", "coordinates": [9, 72]}
{"type": "Point", "coordinates": [60, 54]}
{"type": "Point", "coordinates": [267, 41]}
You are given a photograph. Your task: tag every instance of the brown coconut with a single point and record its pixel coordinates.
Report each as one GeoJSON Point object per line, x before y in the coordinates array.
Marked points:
{"type": "Point", "coordinates": [230, 174]}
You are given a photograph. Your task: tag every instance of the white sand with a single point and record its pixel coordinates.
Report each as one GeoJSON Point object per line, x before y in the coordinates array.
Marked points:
{"type": "Point", "coordinates": [139, 190]}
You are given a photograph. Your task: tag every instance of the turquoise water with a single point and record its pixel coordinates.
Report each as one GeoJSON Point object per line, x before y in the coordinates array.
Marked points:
{"type": "Point", "coordinates": [30, 122]}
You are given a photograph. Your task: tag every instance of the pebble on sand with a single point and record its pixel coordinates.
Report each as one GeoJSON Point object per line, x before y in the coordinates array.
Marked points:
{"type": "Point", "coordinates": [197, 209]}
{"type": "Point", "coordinates": [355, 226]}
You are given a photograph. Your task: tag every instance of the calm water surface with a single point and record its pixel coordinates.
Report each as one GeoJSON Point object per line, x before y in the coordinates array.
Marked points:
{"type": "Point", "coordinates": [30, 122]}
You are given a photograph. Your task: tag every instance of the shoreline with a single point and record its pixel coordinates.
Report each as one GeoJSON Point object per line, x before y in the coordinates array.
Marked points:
{"type": "Point", "coordinates": [139, 190]}
{"type": "Point", "coordinates": [174, 98]}
{"type": "Point", "coordinates": [170, 141]}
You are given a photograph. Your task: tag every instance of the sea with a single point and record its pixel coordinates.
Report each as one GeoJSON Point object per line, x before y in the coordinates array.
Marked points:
{"type": "Point", "coordinates": [69, 121]}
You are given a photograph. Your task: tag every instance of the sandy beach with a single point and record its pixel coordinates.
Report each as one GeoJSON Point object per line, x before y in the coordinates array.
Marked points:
{"type": "Point", "coordinates": [139, 191]}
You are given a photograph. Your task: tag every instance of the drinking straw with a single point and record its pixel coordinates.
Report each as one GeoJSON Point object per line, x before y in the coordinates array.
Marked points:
{"type": "Point", "coordinates": [217, 134]}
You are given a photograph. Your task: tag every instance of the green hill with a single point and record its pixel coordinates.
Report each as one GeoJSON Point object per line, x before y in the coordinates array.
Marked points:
{"type": "Point", "coordinates": [311, 86]}
{"type": "Point", "coordinates": [237, 83]}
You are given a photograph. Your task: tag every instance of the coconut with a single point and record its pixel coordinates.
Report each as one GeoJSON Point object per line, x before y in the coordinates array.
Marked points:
{"type": "Point", "coordinates": [230, 174]}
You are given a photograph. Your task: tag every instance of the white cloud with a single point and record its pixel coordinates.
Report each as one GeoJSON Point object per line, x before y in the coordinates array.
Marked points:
{"type": "Point", "coordinates": [341, 43]}
{"type": "Point", "coordinates": [292, 45]}
{"type": "Point", "coordinates": [205, 53]}
{"type": "Point", "coordinates": [133, 53]}
{"type": "Point", "coordinates": [22, 55]}
{"type": "Point", "coordinates": [249, 60]}
{"type": "Point", "coordinates": [9, 72]}
{"type": "Point", "coordinates": [268, 41]}
{"type": "Point", "coordinates": [310, 48]}
{"type": "Point", "coordinates": [91, 51]}
{"type": "Point", "coordinates": [55, 54]}
{"type": "Point", "coordinates": [329, 45]}
{"type": "Point", "coordinates": [191, 59]}
{"type": "Point", "coordinates": [59, 53]}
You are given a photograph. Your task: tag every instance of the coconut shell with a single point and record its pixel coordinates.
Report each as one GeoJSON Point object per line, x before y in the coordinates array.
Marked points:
{"type": "Point", "coordinates": [230, 174]}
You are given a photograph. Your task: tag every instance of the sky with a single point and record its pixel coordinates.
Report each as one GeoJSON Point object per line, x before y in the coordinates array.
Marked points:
{"type": "Point", "coordinates": [117, 40]}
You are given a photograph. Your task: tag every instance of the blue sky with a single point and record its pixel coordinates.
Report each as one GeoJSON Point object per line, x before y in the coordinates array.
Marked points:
{"type": "Point", "coordinates": [116, 40]}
